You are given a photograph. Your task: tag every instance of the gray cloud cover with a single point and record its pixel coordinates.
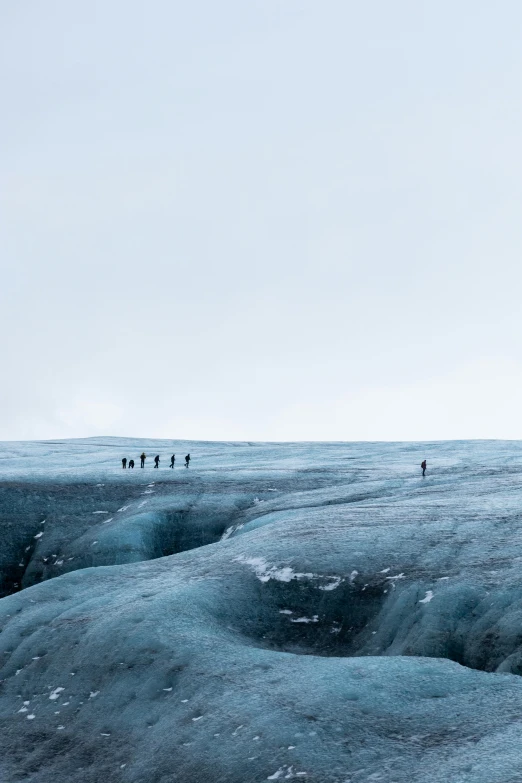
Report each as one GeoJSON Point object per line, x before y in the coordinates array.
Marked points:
{"type": "Point", "coordinates": [262, 220]}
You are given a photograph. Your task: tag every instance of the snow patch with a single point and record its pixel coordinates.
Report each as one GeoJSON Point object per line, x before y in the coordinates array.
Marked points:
{"type": "Point", "coordinates": [286, 772]}
{"type": "Point", "coordinates": [232, 529]}
{"type": "Point", "coordinates": [427, 598]}
{"type": "Point", "coordinates": [265, 572]}
{"type": "Point", "coordinates": [333, 585]}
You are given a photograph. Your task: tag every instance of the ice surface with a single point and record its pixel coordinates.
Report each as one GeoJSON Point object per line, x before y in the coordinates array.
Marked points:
{"type": "Point", "coordinates": [359, 623]}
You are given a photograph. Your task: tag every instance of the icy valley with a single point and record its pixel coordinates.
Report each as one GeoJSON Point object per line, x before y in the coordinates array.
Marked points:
{"type": "Point", "coordinates": [314, 612]}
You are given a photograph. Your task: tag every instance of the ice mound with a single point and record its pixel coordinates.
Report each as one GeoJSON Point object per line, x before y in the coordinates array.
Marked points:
{"type": "Point", "coordinates": [275, 612]}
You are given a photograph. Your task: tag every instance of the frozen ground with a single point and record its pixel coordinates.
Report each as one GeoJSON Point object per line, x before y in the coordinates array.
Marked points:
{"type": "Point", "coordinates": [315, 612]}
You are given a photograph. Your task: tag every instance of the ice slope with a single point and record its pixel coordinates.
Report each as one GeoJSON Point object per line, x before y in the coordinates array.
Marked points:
{"type": "Point", "coordinates": [275, 612]}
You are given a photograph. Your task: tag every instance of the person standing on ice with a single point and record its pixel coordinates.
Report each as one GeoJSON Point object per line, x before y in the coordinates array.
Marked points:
{"type": "Point", "coordinates": [131, 463]}
{"type": "Point", "coordinates": [156, 461]}
{"type": "Point", "coordinates": [124, 463]}
{"type": "Point", "coordinates": [143, 458]}
{"type": "Point", "coordinates": [423, 466]}
{"type": "Point", "coordinates": [172, 460]}
{"type": "Point", "coordinates": [187, 460]}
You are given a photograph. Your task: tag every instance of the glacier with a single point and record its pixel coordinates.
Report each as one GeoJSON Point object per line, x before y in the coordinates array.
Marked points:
{"type": "Point", "coordinates": [312, 611]}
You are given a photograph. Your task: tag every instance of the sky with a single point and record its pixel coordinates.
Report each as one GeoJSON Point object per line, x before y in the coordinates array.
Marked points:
{"type": "Point", "coordinates": [261, 219]}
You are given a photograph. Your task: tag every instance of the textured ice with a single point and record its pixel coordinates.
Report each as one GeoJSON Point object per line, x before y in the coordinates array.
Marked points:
{"type": "Point", "coordinates": [275, 612]}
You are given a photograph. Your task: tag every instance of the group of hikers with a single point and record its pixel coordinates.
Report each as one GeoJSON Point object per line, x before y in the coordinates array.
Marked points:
{"type": "Point", "coordinates": [143, 457]}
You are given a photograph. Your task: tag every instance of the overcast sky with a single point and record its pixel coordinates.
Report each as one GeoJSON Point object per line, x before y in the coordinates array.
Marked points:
{"type": "Point", "coordinates": [261, 219]}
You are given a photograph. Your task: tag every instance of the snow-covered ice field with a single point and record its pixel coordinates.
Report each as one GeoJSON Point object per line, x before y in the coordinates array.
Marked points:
{"type": "Point", "coordinates": [276, 612]}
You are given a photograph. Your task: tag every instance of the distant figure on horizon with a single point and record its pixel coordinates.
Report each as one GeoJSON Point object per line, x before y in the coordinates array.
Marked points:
{"type": "Point", "coordinates": [156, 461]}
{"type": "Point", "coordinates": [423, 466]}
{"type": "Point", "coordinates": [187, 460]}
{"type": "Point", "coordinates": [124, 463]}
{"type": "Point", "coordinates": [131, 463]}
{"type": "Point", "coordinates": [172, 460]}
{"type": "Point", "coordinates": [143, 458]}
